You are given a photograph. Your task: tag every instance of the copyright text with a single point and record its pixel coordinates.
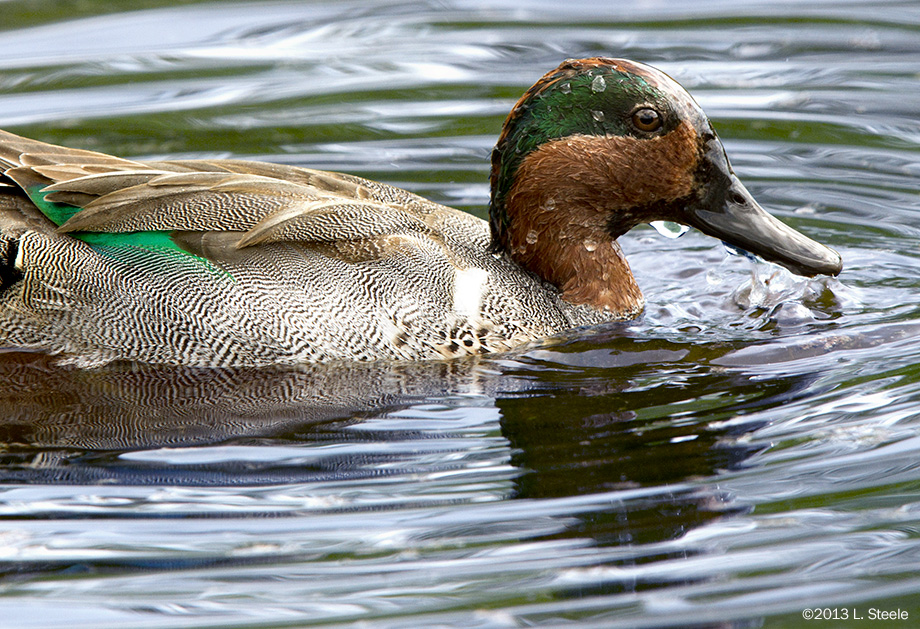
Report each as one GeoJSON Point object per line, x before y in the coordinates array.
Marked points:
{"type": "Point", "coordinates": [853, 613]}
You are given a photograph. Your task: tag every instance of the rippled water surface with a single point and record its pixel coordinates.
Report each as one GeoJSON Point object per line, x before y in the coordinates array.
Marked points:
{"type": "Point", "coordinates": [747, 450]}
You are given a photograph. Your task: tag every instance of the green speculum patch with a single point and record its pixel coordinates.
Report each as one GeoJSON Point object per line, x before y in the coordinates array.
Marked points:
{"type": "Point", "coordinates": [158, 242]}
{"type": "Point", "coordinates": [58, 213]}
{"type": "Point", "coordinates": [107, 243]}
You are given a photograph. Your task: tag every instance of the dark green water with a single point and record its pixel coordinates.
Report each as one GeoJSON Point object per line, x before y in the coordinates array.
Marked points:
{"type": "Point", "coordinates": [747, 450]}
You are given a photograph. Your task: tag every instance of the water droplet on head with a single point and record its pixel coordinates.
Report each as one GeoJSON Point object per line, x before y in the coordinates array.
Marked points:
{"type": "Point", "coordinates": [531, 237]}
{"type": "Point", "coordinates": [670, 229]}
{"type": "Point", "coordinates": [598, 84]}
{"type": "Point", "coordinates": [550, 204]}
{"type": "Point", "coordinates": [565, 88]}
{"type": "Point", "coordinates": [597, 115]}
{"type": "Point", "coordinates": [590, 245]}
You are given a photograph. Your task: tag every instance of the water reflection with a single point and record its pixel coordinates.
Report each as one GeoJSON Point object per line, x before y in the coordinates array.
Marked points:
{"type": "Point", "coordinates": [63, 424]}
{"type": "Point", "coordinates": [590, 417]}
{"type": "Point", "coordinates": [656, 415]}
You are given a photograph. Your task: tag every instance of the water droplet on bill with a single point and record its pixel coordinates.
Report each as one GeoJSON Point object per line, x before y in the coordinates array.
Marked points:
{"type": "Point", "coordinates": [670, 229]}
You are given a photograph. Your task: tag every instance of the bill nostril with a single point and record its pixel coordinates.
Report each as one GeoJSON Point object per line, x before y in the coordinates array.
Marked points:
{"type": "Point", "coordinates": [737, 198]}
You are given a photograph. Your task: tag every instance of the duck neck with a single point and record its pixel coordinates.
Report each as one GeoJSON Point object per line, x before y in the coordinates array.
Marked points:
{"type": "Point", "coordinates": [564, 246]}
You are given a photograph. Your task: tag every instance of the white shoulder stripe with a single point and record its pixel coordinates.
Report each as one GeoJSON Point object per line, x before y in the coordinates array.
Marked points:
{"type": "Point", "coordinates": [469, 289]}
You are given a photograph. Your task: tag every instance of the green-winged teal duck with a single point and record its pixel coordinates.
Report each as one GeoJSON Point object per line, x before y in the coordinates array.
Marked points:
{"type": "Point", "coordinates": [231, 262]}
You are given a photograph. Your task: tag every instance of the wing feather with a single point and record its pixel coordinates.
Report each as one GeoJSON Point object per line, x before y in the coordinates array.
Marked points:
{"type": "Point", "coordinates": [328, 220]}
{"type": "Point", "coordinates": [262, 202]}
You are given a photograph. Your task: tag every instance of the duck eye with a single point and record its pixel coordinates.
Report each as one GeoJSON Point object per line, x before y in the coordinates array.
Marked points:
{"type": "Point", "coordinates": [646, 120]}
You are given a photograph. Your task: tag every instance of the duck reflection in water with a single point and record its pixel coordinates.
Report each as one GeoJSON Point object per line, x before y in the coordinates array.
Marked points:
{"type": "Point", "coordinates": [624, 414]}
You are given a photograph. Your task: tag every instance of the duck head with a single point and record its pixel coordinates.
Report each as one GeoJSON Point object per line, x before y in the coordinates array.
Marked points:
{"type": "Point", "coordinates": [600, 145]}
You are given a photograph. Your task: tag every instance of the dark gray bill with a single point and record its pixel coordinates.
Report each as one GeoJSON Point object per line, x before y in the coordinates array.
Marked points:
{"type": "Point", "coordinates": [727, 211]}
